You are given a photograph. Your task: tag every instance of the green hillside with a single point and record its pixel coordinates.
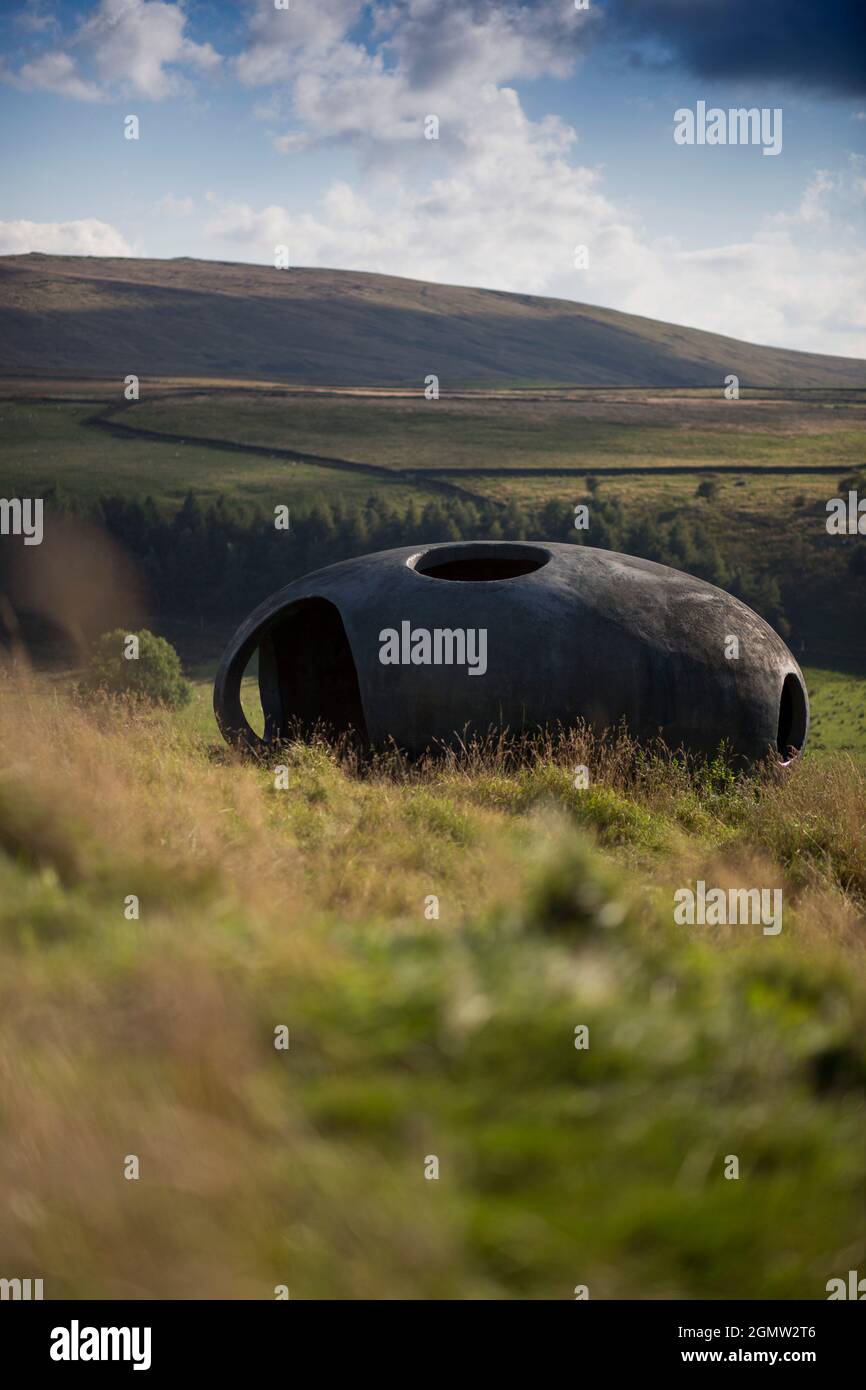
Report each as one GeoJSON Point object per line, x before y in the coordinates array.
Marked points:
{"type": "Point", "coordinates": [90, 316]}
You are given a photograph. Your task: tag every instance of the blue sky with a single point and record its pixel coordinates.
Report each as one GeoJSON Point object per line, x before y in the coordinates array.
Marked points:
{"type": "Point", "coordinates": [305, 128]}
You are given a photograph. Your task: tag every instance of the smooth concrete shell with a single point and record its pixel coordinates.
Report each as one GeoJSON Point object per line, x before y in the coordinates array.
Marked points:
{"type": "Point", "coordinates": [571, 633]}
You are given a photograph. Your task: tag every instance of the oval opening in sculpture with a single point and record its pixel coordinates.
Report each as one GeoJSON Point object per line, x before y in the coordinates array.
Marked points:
{"type": "Point", "coordinates": [792, 718]}
{"type": "Point", "coordinates": [307, 674]}
{"type": "Point", "coordinates": [480, 564]}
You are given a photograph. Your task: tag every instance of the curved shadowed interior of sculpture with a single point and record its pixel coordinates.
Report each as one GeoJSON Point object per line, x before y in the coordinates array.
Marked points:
{"type": "Point", "coordinates": [793, 718]}
{"type": "Point", "coordinates": [307, 673]}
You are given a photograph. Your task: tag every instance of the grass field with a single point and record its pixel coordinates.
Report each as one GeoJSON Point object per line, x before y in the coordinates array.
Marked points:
{"type": "Point", "coordinates": [838, 701]}
{"type": "Point", "coordinates": [44, 444]}
{"type": "Point", "coordinates": [635, 430]}
{"type": "Point", "coordinates": [49, 444]}
{"type": "Point", "coordinates": [413, 1039]}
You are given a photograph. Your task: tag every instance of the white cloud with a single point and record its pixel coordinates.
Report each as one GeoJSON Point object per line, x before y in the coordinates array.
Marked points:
{"type": "Point", "coordinates": [507, 214]}
{"type": "Point", "coordinates": [175, 207]}
{"type": "Point", "coordinates": [776, 288]}
{"type": "Point", "coordinates": [134, 42]}
{"type": "Point", "coordinates": [35, 17]}
{"type": "Point", "coordinates": [56, 72]}
{"type": "Point", "coordinates": [439, 41]}
{"type": "Point", "coordinates": [292, 141]}
{"type": "Point", "coordinates": [87, 237]}
{"type": "Point", "coordinates": [131, 45]}
{"type": "Point", "coordinates": [428, 41]}
{"type": "Point", "coordinates": [277, 38]}
{"type": "Point", "coordinates": [433, 57]}
{"type": "Point", "coordinates": [813, 204]}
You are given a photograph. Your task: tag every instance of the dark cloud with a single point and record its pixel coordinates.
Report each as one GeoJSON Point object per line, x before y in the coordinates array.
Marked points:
{"type": "Point", "coordinates": [818, 45]}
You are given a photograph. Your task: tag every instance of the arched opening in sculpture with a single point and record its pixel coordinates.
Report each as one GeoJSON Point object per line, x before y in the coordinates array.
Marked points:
{"type": "Point", "coordinates": [307, 674]}
{"type": "Point", "coordinates": [792, 718]}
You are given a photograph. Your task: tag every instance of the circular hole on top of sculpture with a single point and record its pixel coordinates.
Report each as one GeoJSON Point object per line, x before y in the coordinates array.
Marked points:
{"type": "Point", "coordinates": [480, 564]}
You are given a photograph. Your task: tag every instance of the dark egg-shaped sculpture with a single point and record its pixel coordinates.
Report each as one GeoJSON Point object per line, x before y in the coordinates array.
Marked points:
{"type": "Point", "coordinates": [425, 644]}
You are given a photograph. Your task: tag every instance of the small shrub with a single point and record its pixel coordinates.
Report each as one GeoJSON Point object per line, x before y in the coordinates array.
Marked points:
{"type": "Point", "coordinates": [154, 676]}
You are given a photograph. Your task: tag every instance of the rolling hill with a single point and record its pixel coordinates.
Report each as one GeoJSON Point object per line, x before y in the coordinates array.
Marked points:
{"type": "Point", "coordinates": [86, 316]}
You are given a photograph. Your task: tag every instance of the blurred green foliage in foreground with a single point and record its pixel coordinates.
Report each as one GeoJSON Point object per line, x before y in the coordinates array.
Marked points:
{"type": "Point", "coordinates": [413, 1036]}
